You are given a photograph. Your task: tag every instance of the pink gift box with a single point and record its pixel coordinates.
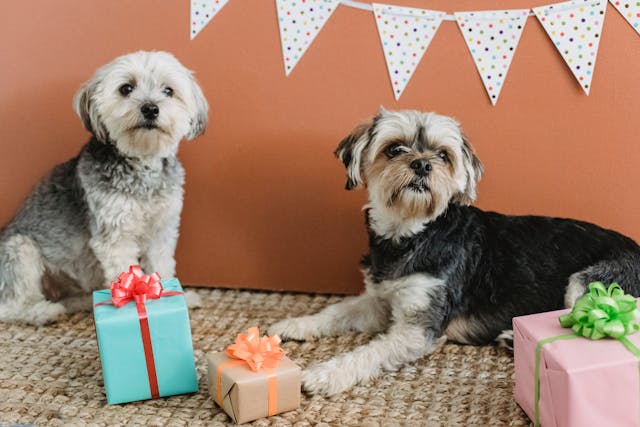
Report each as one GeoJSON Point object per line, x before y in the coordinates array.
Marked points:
{"type": "Point", "coordinates": [582, 382]}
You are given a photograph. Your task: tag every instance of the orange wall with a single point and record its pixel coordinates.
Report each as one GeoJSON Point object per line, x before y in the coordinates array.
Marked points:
{"type": "Point", "coordinates": [265, 205]}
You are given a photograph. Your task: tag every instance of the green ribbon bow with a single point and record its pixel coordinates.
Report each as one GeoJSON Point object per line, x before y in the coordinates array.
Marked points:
{"type": "Point", "coordinates": [603, 313]}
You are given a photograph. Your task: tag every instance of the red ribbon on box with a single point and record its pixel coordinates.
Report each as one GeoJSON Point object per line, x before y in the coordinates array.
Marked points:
{"type": "Point", "coordinates": [136, 286]}
{"type": "Point", "coordinates": [258, 354]}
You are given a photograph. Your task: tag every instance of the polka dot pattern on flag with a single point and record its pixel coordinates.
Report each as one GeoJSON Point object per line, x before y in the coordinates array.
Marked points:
{"type": "Point", "coordinates": [300, 22]}
{"type": "Point", "coordinates": [405, 34]}
{"type": "Point", "coordinates": [575, 28]}
{"type": "Point", "coordinates": [492, 38]}
{"type": "Point", "coordinates": [202, 12]}
{"type": "Point", "coordinates": [630, 10]}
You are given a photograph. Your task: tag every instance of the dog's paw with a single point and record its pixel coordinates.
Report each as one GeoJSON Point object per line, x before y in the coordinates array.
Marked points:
{"type": "Point", "coordinates": [43, 312]}
{"type": "Point", "coordinates": [505, 339]}
{"type": "Point", "coordinates": [326, 379]}
{"type": "Point", "coordinates": [192, 299]}
{"type": "Point", "coordinates": [296, 328]}
{"type": "Point", "coordinates": [78, 304]}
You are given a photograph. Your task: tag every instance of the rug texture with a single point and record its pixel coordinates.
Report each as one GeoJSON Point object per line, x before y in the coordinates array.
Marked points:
{"type": "Point", "coordinates": [51, 375]}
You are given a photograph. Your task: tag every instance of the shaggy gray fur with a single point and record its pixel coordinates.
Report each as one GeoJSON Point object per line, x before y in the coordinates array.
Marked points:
{"type": "Point", "coordinates": [116, 204]}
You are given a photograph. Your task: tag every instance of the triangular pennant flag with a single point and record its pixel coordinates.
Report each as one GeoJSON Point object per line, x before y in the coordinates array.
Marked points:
{"type": "Point", "coordinates": [630, 10]}
{"type": "Point", "coordinates": [300, 22]}
{"type": "Point", "coordinates": [492, 38]}
{"type": "Point", "coordinates": [203, 11]}
{"type": "Point", "coordinates": [575, 28]}
{"type": "Point", "coordinates": [405, 34]}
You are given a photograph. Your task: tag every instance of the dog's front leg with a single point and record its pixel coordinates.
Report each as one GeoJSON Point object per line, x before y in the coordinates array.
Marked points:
{"type": "Point", "coordinates": [161, 243]}
{"type": "Point", "coordinates": [364, 313]}
{"type": "Point", "coordinates": [159, 255]}
{"type": "Point", "coordinates": [115, 221]}
{"type": "Point", "coordinates": [418, 310]}
{"type": "Point", "coordinates": [115, 251]}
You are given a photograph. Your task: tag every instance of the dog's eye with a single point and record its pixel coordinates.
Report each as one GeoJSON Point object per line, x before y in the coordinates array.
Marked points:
{"type": "Point", "coordinates": [168, 91]}
{"type": "Point", "coordinates": [394, 150]}
{"type": "Point", "coordinates": [443, 155]}
{"type": "Point", "coordinates": [125, 89]}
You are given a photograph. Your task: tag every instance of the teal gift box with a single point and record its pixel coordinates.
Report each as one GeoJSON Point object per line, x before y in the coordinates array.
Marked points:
{"type": "Point", "coordinates": [126, 368]}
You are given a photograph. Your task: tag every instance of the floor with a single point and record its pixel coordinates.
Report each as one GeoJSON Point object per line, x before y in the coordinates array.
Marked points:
{"type": "Point", "coordinates": [51, 375]}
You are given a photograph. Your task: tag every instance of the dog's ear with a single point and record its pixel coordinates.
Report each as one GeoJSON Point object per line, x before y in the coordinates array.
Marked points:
{"type": "Point", "coordinates": [350, 151]}
{"type": "Point", "coordinates": [200, 114]}
{"type": "Point", "coordinates": [473, 169]}
{"type": "Point", "coordinates": [85, 106]}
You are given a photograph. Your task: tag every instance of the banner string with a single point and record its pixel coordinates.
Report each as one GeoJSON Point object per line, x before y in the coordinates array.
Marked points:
{"type": "Point", "coordinates": [450, 17]}
{"type": "Point", "coordinates": [365, 6]}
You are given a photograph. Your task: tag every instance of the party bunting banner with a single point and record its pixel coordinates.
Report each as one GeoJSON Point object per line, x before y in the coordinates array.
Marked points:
{"type": "Point", "coordinates": [405, 34]}
{"type": "Point", "coordinates": [202, 12]}
{"type": "Point", "coordinates": [575, 28]}
{"type": "Point", "coordinates": [492, 38]}
{"type": "Point", "coordinates": [630, 10]}
{"type": "Point", "coordinates": [300, 22]}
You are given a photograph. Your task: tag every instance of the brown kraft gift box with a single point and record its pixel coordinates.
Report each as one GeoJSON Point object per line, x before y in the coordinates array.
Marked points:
{"type": "Point", "coordinates": [245, 394]}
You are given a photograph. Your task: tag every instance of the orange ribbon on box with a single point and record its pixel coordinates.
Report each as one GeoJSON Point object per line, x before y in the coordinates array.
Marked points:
{"type": "Point", "coordinates": [258, 354]}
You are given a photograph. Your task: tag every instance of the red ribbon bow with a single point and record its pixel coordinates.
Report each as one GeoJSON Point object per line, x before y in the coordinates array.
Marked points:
{"type": "Point", "coordinates": [135, 286]}
{"type": "Point", "coordinates": [257, 352]}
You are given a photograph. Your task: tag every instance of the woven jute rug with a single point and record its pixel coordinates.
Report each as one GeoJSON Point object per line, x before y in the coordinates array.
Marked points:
{"type": "Point", "coordinates": [51, 375]}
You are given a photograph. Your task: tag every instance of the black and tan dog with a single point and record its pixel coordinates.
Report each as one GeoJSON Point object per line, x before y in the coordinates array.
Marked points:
{"type": "Point", "coordinates": [438, 267]}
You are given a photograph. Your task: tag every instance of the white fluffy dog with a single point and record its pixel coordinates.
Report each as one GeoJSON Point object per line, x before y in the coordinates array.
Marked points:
{"type": "Point", "coordinates": [117, 203]}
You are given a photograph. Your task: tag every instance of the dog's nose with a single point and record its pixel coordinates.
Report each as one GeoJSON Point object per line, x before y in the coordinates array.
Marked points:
{"type": "Point", "coordinates": [421, 167]}
{"type": "Point", "coordinates": [150, 111]}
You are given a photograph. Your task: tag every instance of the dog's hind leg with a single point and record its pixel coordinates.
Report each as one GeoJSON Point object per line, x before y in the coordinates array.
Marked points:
{"type": "Point", "coordinates": [623, 269]}
{"type": "Point", "coordinates": [575, 289]}
{"type": "Point", "coordinates": [21, 272]}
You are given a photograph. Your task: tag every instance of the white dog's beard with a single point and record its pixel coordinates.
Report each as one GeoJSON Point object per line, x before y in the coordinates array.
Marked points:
{"type": "Point", "coordinates": [136, 137]}
{"type": "Point", "coordinates": [146, 143]}
{"type": "Point", "coordinates": [143, 142]}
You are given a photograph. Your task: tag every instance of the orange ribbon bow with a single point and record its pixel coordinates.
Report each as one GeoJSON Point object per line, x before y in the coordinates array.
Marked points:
{"type": "Point", "coordinates": [258, 352]}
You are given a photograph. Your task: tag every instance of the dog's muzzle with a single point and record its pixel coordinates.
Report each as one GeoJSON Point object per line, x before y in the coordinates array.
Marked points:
{"type": "Point", "coordinates": [419, 185]}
